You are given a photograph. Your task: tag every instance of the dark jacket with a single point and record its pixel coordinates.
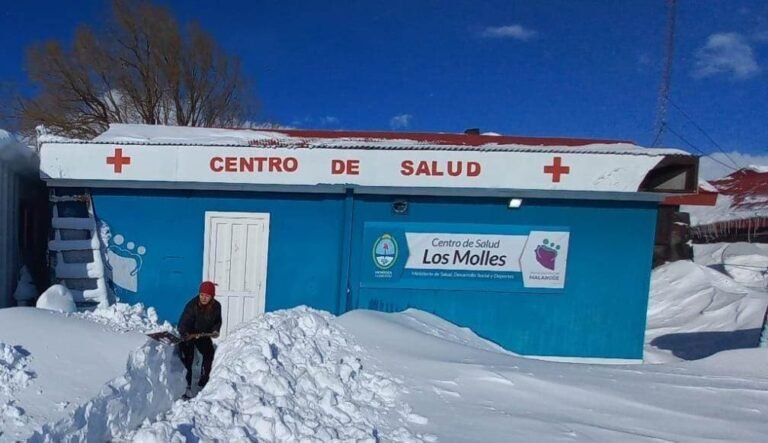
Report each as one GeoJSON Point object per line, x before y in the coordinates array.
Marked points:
{"type": "Point", "coordinates": [197, 318]}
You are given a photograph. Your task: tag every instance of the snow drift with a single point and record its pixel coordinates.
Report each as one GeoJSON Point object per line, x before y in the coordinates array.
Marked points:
{"type": "Point", "coordinates": [290, 375]}
{"type": "Point", "coordinates": [53, 363]}
{"type": "Point", "coordinates": [57, 298]}
{"type": "Point", "coordinates": [123, 317]}
{"type": "Point", "coordinates": [13, 374]}
{"type": "Point", "coordinates": [153, 381]}
{"type": "Point", "coordinates": [695, 311]}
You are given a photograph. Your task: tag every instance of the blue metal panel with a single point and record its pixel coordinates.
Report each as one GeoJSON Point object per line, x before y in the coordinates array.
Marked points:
{"type": "Point", "coordinates": [600, 313]}
{"type": "Point", "coordinates": [304, 244]}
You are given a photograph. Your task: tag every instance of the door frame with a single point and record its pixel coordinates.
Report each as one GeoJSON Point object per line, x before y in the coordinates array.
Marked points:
{"type": "Point", "coordinates": [207, 244]}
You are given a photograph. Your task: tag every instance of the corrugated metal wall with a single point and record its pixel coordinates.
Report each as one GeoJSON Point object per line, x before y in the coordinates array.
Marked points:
{"type": "Point", "coordinates": [10, 189]}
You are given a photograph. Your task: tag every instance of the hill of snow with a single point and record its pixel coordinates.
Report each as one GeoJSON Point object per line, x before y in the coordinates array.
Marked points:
{"type": "Point", "coordinates": [51, 363]}
{"type": "Point", "coordinates": [305, 375]}
{"type": "Point", "coordinates": [291, 375]}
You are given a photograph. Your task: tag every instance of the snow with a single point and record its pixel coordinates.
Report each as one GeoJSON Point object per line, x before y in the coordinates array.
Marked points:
{"type": "Point", "coordinates": [305, 375]}
{"type": "Point", "coordinates": [182, 135]}
{"type": "Point", "coordinates": [695, 311]}
{"type": "Point", "coordinates": [152, 382]}
{"type": "Point", "coordinates": [13, 375]}
{"type": "Point", "coordinates": [751, 206]}
{"type": "Point", "coordinates": [290, 375]}
{"type": "Point", "coordinates": [469, 393]}
{"type": "Point", "coordinates": [123, 317]}
{"type": "Point", "coordinates": [21, 158]}
{"type": "Point", "coordinates": [57, 298]}
{"type": "Point", "coordinates": [746, 263]}
{"type": "Point", "coordinates": [706, 186]}
{"type": "Point", "coordinates": [722, 211]}
{"type": "Point", "coordinates": [71, 359]}
{"type": "Point", "coordinates": [25, 291]}
{"type": "Point", "coordinates": [757, 168]}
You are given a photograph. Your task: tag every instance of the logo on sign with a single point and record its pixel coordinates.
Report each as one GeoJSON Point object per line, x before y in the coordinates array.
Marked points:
{"type": "Point", "coordinates": [546, 254]}
{"type": "Point", "coordinates": [385, 252]}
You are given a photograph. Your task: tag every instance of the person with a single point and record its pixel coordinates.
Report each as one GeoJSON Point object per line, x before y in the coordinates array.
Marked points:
{"type": "Point", "coordinates": [200, 321]}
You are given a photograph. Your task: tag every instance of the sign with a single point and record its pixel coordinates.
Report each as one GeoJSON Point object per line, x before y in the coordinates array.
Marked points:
{"type": "Point", "coordinates": [464, 256]}
{"type": "Point", "coordinates": [486, 169]}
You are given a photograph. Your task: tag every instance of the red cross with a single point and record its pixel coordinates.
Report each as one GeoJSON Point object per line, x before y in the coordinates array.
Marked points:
{"type": "Point", "coordinates": [556, 169]}
{"type": "Point", "coordinates": [117, 160]}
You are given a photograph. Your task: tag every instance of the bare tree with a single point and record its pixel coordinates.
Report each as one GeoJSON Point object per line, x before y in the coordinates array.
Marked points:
{"type": "Point", "coordinates": [139, 68]}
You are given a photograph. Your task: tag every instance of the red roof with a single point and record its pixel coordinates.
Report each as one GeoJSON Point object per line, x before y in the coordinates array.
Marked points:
{"type": "Point", "coordinates": [748, 187]}
{"type": "Point", "coordinates": [442, 138]}
{"type": "Point", "coordinates": [702, 198]}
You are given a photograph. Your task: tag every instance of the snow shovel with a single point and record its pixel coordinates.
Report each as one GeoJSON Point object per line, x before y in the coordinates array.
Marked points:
{"type": "Point", "coordinates": [169, 338]}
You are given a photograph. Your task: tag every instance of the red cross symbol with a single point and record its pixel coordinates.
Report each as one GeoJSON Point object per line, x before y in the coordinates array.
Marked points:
{"type": "Point", "coordinates": [556, 169]}
{"type": "Point", "coordinates": [117, 160]}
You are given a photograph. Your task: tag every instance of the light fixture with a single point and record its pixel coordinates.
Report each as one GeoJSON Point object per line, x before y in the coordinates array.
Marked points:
{"type": "Point", "coordinates": [400, 207]}
{"type": "Point", "coordinates": [515, 203]}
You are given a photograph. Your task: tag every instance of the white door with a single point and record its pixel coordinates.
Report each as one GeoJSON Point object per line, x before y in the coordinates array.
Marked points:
{"type": "Point", "coordinates": [235, 258]}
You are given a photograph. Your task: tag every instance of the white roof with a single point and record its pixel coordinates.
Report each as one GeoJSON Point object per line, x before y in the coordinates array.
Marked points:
{"type": "Point", "coordinates": [134, 134]}
{"type": "Point", "coordinates": [204, 158]}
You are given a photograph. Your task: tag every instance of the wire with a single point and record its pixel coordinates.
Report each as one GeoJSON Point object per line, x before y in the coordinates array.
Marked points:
{"type": "Point", "coordinates": [688, 117]}
{"type": "Point", "coordinates": [697, 149]}
{"type": "Point", "coordinates": [662, 125]}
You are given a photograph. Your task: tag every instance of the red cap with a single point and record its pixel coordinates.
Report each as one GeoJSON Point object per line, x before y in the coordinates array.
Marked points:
{"type": "Point", "coordinates": [208, 287]}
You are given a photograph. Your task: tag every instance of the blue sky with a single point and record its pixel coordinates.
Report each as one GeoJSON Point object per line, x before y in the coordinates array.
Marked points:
{"type": "Point", "coordinates": [547, 68]}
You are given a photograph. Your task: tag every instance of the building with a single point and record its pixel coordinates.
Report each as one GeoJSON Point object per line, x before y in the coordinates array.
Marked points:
{"type": "Point", "coordinates": [740, 211]}
{"type": "Point", "coordinates": [542, 245]}
{"type": "Point", "coordinates": [673, 226]}
{"type": "Point", "coordinates": [23, 216]}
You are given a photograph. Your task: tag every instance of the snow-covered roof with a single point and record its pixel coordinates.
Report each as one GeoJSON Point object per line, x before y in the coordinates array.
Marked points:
{"type": "Point", "coordinates": [210, 158]}
{"type": "Point", "coordinates": [705, 186]}
{"type": "Point", "coordinates": [134, 134]}
{"type": "Point", "coordinates": [18, 156]}
{"type": "Point", "coordinates": [741, 195]}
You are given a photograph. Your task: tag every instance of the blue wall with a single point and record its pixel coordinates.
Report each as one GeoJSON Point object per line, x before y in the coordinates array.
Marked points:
{"type": "Point", "coordinates": [304, 236]}
{"type": "Point", "coordinates": [601, 312]}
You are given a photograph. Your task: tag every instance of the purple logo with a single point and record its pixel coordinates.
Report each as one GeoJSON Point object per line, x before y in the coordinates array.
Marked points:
{"type": "Point", "coordinates": [546, 254]}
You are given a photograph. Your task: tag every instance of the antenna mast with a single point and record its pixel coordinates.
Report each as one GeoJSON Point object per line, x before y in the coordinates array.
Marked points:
{"type": "Point", "coordinates": [666, 74]}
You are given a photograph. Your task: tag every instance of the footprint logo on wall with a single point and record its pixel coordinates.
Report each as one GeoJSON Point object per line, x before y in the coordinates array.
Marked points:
{"type": "Point", "coordinates": [546, 254]}
{"type": "Point", "coordinates": [123, 259]}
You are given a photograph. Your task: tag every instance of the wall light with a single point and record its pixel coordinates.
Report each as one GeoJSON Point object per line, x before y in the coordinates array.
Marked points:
{"type": "Point", "coordinates": [515, 203]}
{"type": "Point", "coordinates": [400, 207]}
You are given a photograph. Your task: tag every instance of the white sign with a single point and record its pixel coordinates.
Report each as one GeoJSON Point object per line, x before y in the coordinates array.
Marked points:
{"type": "Point", "coordinates": [541, 256]}
{"type": "Point", "coordinates": [364, 167]}
{"type": "Point", "coordinates": [466, 252]}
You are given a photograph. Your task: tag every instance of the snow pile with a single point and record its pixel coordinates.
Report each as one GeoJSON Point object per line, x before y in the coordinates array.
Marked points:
{"type": "Point", "coordinates": [189, 136]}
{"type": "Point", "coordinates": [123, 317]}
{"type": "Point", "coordinates": [154, 379]}
{"type": "Point", "coordinates": [290, 375]}
{"type": "Point", "coordinates": [469, 393]}
{"type": "Point", "coordinates": [695, 311]}
{"type": "Point", "coordinates": [25, 292]}
{"type": "Point", "coordinates": [71, 359]}
{"type": "Point", "coordinates": [57, 298]}
{"type": "Point", "coordinates": [13, 378]}
{"type": "Point", "coordinates": [13, 374]}
{"type": "Point", "coordinates": [747, 264]}
{"type": "Point", "coordinates": [20, 157]}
